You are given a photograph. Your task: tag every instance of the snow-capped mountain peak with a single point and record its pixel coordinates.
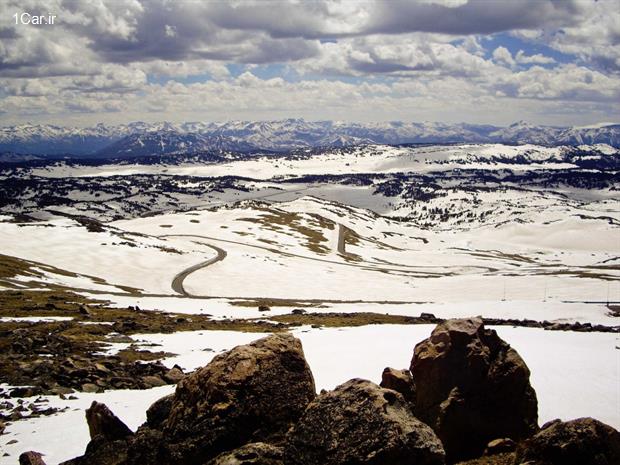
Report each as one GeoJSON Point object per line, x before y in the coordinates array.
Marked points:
{"type": "Point", "coordinates": [280, 135]}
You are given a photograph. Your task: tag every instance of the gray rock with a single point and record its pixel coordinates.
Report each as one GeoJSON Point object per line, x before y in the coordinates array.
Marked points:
{"type": "Point", "coordinates": [584, 441]}
{"type": "Point", "coordinates": [361, 423]}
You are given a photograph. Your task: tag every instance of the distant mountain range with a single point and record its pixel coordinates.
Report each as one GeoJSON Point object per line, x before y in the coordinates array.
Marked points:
{"type": "Point", "coordinates": [145, 139]}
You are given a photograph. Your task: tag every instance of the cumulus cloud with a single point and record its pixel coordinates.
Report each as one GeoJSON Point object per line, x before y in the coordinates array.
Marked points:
{"type": "Point", "coordinates": [503, 55]}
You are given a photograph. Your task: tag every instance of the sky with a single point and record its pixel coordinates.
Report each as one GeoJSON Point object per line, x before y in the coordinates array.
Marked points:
{"type": "Point", "coordinates": [551, 62]}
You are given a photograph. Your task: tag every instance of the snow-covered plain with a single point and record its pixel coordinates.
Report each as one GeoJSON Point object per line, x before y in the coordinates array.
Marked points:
{"type": "Point", "coordinates": [365, 159]}
{"type": "Point", "coordinates": [556, 360]}
{"type": "Point", "coordinates": [288, 249]}
{"type": "Point", "coordinates": [556, 252]}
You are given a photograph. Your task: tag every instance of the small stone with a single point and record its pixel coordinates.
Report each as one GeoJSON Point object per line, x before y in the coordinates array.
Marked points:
{"type": "Point", "coordinates": [90, 387]}
{"type": "Point", "coordinates": [499, 446]}
{"type": "Point", "coordinates": [153, 381]}
{"type": "Point", "coordinates": [85, 311]}
{"type": "Point", "coordinates": [61, 390]}
{"type": "Point", "coordinates": [263, 308]}
{"type": "Point", "coordinates": [101, 368]}
{"type": "Point", "coordinates": [174, 375]}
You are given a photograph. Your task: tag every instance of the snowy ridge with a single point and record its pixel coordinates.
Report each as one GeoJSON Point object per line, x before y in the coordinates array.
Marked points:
{"type": "Point", "coordinates": [134, 138]}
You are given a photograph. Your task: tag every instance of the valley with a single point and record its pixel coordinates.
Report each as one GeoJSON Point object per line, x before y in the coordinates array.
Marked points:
{"type": "Point", "coordinates": [356, 250]}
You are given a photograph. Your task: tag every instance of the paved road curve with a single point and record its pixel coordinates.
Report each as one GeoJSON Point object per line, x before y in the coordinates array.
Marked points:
{"type": "Point", "coordinates": [177, 282]}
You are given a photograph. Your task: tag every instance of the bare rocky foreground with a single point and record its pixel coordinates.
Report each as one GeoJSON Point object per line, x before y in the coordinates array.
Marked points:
{"type": "Point", "coordinates": [465, 399]}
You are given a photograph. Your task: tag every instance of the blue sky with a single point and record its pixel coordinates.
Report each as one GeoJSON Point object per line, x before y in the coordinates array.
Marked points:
{"type": "Point", "coordinates": [478, 61]}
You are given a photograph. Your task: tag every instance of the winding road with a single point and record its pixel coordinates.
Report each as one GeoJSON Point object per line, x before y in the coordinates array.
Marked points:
{"type": "Point", "coordinates": [178, 281]}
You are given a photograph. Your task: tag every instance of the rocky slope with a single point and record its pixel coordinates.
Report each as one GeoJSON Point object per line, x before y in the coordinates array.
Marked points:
{"type": "Point", "coordinates": [256, 404]}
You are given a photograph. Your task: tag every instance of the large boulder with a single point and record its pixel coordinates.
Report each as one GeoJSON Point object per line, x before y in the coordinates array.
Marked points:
{"type": "Point", "coordinates": [256, 453]}
{"type": "Point", "coordinates": [363, 424]}
{"type": "Point", "coordinates": [471, 387]}
{"type": "Point", "coordinates": [584, 441]}
{"type": "Point", "coordinates": [251, 393]}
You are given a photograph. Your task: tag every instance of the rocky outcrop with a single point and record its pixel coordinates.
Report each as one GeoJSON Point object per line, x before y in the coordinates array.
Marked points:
{"type": "Point", "coordinates": [361, 423]}
{"type": "Point", "coordinates": [257, 453]}
{"type": "Point", "coordinates": [256, 405]}
{"type": "Point", "coordinates": [584, 441]}
{"type": "Point", "coordinates": [251, 393]}
{"type": "Point", "coordinates": [75, 365]}
{"type": "Point", "coordinates": [471, 387]}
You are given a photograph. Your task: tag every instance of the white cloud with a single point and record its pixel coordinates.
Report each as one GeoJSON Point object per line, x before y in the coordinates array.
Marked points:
{"type": "Point", "coordinates": [502, 55]}
{"type": "Point", "coordinates": [538, 58]}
